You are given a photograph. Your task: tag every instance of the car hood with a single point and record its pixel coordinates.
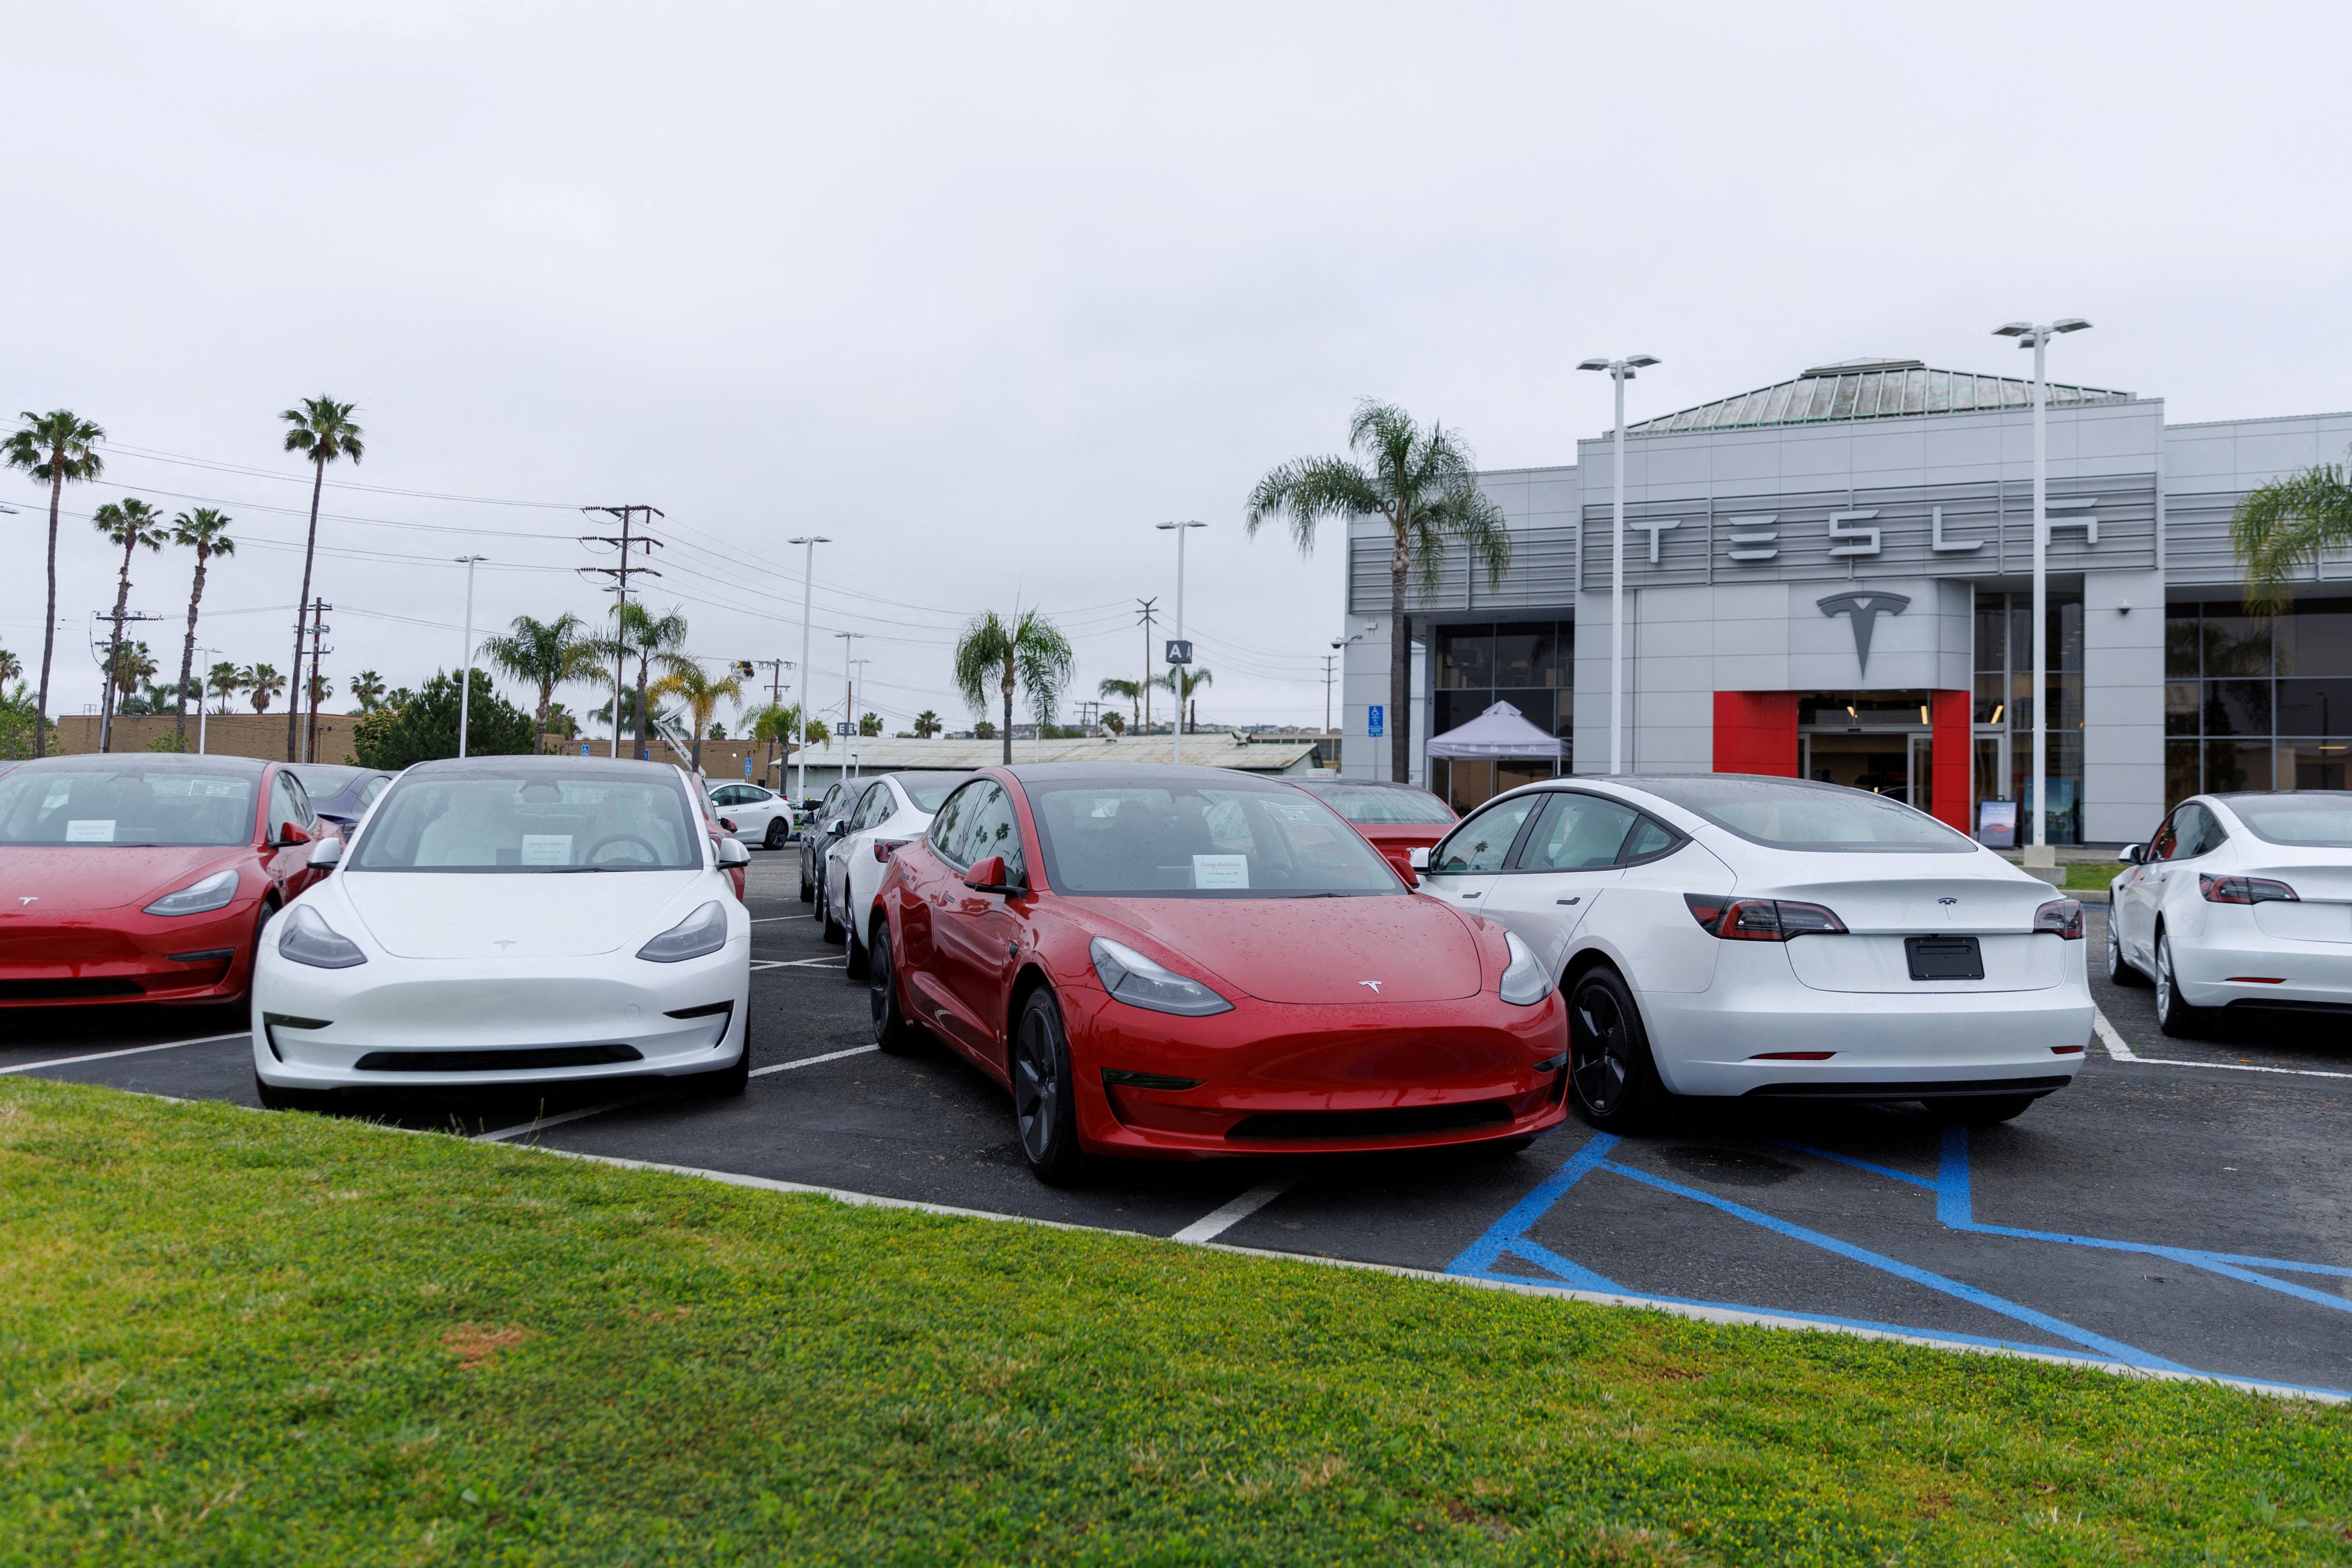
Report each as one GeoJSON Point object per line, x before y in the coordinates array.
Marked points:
{"type": "Point", "coordinates": [71, 878]}
{"type": "Point", "coordinates": [429, 914]}
{"type": "Point", "coordinates": [1312, 951]}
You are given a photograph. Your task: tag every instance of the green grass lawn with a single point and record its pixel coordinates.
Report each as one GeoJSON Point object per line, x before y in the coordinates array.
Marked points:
{"type": "Point", "coordinates": [226, 1337]}
{"type": "Point", "coordinates": [2096, 875]}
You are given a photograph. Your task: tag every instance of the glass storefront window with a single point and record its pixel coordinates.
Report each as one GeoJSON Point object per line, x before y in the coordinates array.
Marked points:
{"type": "Point", "coordinates": [1529, 665]}
{"type": "Point", "coordinates": [2005, 698]}
{"type": "Point", "coordinates": [2256, 702]}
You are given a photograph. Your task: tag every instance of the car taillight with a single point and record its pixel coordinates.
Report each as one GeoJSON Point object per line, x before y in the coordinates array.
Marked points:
{"type": "Point", "coordinates": [1762, 920]}
{"type": "Point", "coordinates": [2060, 918]}
{"type": "Point", "coordinates": [2244, 890]}
{"type": "Point", "coordinates": [883, 847]}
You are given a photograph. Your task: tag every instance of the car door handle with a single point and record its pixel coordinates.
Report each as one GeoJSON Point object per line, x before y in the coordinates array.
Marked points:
{"type": "Point", "coordinates": [1578, 899]}
{"type": "Point", "coordinates": [1468, 895]}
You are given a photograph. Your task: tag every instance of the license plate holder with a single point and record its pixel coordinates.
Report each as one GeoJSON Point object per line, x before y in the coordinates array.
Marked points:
{"type": "Point", "coordinates": [1944, 957]}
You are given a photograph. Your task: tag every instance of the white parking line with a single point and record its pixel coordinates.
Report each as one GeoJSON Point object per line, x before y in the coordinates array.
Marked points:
{"type": "Point", "coordinates": [800, 963]}
{"type": "Point", "coordinates": [811, 1062]}
{"type": "Point", "coordinates": [503, 1133]}
{"type": "Point", "coordinates": [1219, 1220]}
{"type": "Point", "coordinates": [127, 1051]}
{"type": "Point", "coordinates": [2124, 1053]}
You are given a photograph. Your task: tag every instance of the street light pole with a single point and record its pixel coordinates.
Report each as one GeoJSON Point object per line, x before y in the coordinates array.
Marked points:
{"type": "Point", "coordinates": [465, 655]}
{"type": "Point", "coordinates": [1621, 371]}
{"type": "Point", "coordinates": [201, 709]}
{"type": "Point", "coordinates": [2036, 336]}
{"type": "Point", "coordinates": [808, 590]}
{"type": "Point", "coordinates": [1176, 683]}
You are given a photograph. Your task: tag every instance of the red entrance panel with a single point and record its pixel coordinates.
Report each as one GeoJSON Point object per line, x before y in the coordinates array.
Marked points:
{"type": "Point", "coordinates": [1756, 732]}
{"type": "Point", "coordinates": [1949, 781]}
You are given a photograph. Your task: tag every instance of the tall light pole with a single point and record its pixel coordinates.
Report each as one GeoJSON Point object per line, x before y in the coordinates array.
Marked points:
{"type": "Point", "coordinates": [808, 589]}
{"type": "Point", "coordinates": [1621, 371]}
{"type": "Point", "coordinates": [1176, 680]}
{"type": "Point", "coordinates": [2036, 335]}
{"type": "Point", "coordinates": [465, 655]}
{"type": "Point", "coordinates": [1339, 651]}
{"type": "Point", "coordinates": [201, 708]}
{"type": "Point", "coordinates": [848, 696]}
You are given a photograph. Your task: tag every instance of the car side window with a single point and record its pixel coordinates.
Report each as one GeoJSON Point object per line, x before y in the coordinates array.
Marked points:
{"type": "Point", "coordinates": [286, 806]}
{"type": "Point", "coordinates": [375, 788]}
{"type": "Point", "coordinates": [1578, 832]}
{"type": "Point", "coordinates": [1481, 843]}
{"type": "Point", "coordinates": [724, 795]}
{"type": "Point", "coordinates": [1649, 839]}
{"type": "Point", "coordinates": [2200, 834]}
{"type": "Point", "coordinates": [994, 830]}
{"type": "Point", "coordinates": [2166, 839]}
{"type": "Point", "coordinates": [881, 804]}
{"type": "Point", "coordinates": [946, 828]}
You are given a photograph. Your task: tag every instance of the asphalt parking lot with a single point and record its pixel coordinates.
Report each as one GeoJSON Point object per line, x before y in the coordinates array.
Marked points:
{"type": "Point", "coordinates": [2185, 1205]}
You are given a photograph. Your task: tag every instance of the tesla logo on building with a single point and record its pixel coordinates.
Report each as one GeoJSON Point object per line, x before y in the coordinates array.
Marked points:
{"type": "Point", "coordinates": [1864, 607]}
{"type": "Point", "coordinates": [1373, 984]}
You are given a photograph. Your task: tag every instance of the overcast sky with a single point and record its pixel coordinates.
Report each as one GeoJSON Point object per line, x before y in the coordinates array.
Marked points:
{"type": "Point", "coordinates": [984, 291]}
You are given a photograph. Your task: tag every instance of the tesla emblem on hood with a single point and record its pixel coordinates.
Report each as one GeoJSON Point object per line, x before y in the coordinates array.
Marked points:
{"type": "Point", "coordinates": [1864, 608]}
{"type": "Point", "coordinates": [29, 897]}
{"type": "Point", "coordinates": [1373, 984]}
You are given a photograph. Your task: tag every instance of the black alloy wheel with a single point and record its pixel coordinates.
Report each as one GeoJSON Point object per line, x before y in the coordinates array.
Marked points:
{"type": "Point", "coordinates": [829, 921]}
{"type": "Point", "coordinates": [859, 959]}
{"type": "Point", "coordinates": [775, 838]}
{"type": "Point", "coordinates": [1042, 1106]}
{"type": "Point", "coordinates": [1611, 1075]}
{"type": "Point", "coordinates": [808, 888]}
{"type": "Point", "coordinates": [2119, 968]}
{"type": "Point", "coordinates": [1980, 1110]}
{"type": "Point", "coordinates": [892, 1034]}
{"type": "Point", "coordinates": [2174, 1015]}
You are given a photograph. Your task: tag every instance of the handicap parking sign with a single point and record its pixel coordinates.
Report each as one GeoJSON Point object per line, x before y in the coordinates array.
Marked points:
{"type": "Point", "coordinates": [1375, 720]}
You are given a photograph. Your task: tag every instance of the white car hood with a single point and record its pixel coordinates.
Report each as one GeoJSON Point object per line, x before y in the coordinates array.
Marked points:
{"type": "Point", "coordinates": [425, 914]}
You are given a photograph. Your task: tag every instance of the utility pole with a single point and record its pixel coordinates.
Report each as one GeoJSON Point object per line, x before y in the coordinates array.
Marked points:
{"type": "Point", "coordinates": [848, 695]}
{"type": "Point", "coordinates": [465, 655]}
{"type": "Point", "coordinates": [118, 620]}
{"type": "Point", "coordinates": [750, 666]}
{"type": "Point", "coordinates": [1179, 680]}
{"type": "Point", "coordinates": [1145, 616]}
{"type": "Point", "coordinates": [808, 589]}
{"type": "Point", "coordinates": [1330, 661]}
{"type": "Point", "coordinates": [318, 629]}
{"type": "Point", "coordinates": [623, 542]}
{"type": "Point", "coordinates": [201, 709]}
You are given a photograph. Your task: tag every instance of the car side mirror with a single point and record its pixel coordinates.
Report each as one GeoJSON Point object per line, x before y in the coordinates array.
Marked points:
{"type": "Point", "coordinates": [988, 876]}
{"type": "Point", "coordinates": [326, 852]}
{"type": "Point", "coordinates": [727, 823]}
{"type": "Point", "coordinates": [2135, 853]}
{"type": "Point", "coordinates": [733, 853]}
{"type": "Point", "coordinates": [833, 829]}
{"type": "Point", "coordinates": [290, 833]}
{"type": "Point", "coordinates": [1419, 859]}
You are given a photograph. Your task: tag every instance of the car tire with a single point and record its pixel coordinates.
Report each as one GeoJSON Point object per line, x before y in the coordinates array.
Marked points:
{"type": "Point", "coordinates": [808, 888]}
{"type": "Point", "coordinates": [1980, 1110]}
{"type": "Point", "coordinates": [831, 923]}
{"type": "Point", "coordinates": [1611, 1079]}
{"type": "Point", "coordinates": [893, 1036]}
{"type": "Point", "coordinates": [859, 959]}
{"type": "Point", "coordinates": [775, 837]}
{"type": "Point", "coordinates": [2174, 1015]}
{"type": "Point", "coordinates": [2119, 968]}
{"type": "Point", "coordinates": [1044, 1106]}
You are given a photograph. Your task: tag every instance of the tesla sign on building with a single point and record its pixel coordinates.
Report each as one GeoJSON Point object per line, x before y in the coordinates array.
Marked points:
{"type": "Point", "coordinates": [1831, 577]}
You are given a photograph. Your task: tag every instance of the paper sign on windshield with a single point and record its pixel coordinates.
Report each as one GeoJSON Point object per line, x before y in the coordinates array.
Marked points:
{"type": "Point", "coordinates": [547, 850]}
{"type": "Point", "coordinates": [1220, 870]}
{"type": "Point", "coordinates": [90, 830]}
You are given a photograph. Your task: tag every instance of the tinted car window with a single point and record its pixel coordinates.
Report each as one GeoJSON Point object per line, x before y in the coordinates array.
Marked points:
{"type": "Point", "coordinates": [993, 830]}
{"type": "Point", "coordinates": [1209, 836]}
{"type": "Point", "coordinates": [1576, 833]}
{"type": "Point", "coordinates": [2318, 819]}
{"type": "Point", "coordinates": [1480, 843]}
{"type": "Point", "coordinates": [928, 792]}
{"type": "Point", "coordinates": [1649, 838]}
{"type": "Point", "coordinates": [287, 806]}
{"type": "Point", "coordinates": [1791, 813]}
{"type": "Point", "coordinates": [2167, 840]}
{"type": "Point", "coordinates": [880, 805]}
{"type": "Point", "coordinates": [1377, 806]}
{"type": "Point", "coordinates": [947, 828]}
{"type": "Point", "coordinates": [467, 823]}
{"type": "Point", "coordinates": [122, 802]}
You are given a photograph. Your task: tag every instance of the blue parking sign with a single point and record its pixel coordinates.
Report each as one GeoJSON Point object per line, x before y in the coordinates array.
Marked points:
{"type": "Point", "coordinates": [1375, 720]}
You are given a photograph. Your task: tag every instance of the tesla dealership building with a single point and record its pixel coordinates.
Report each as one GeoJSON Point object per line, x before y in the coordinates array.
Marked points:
{"type": "Point", "coordinates": [1832, 578]}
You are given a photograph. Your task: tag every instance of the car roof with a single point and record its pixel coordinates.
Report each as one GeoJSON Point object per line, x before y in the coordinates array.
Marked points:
{"type": "Point", "coordinates": [562, 765]}
{"type": "Point", "coordinates": [147, 759]}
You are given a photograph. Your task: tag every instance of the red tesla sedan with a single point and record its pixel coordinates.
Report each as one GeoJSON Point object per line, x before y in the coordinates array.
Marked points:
{"type": "Point", "coordinates": [1186, 962]}
{"type": "Point", "coordinates": [144, 875]}
{"type": "Point", "coordinates": [1396, 818]}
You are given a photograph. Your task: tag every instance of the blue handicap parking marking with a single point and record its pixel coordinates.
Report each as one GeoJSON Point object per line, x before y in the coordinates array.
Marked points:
{"type": "Point", "coordinates": [1507, 1248]}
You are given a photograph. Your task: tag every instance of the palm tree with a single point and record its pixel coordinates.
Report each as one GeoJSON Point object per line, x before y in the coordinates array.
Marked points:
{"type": "Point", "coordinates": [132, 523]}
{"type": "Point", "coordinates": [639, 634]}
{"type": "Point", "coordinates": [11, 667]}
{"type": "Point", "coordinates": [322, 430]}
{"type": "Point", "coordinates": [1180, 683]}
{"type": "Point", "coordinates": [927, 724]}
{"type": "Point", "coordinates": [1127, 691]}
{"type": "Point", "coordinates": [224, 681]}
{"type": "Point", "coordinates": [263, 681]}
{"type": "Point", "coordinates": [52, 447]}
{"type": "Point", "coordinates": [367, 690]}
{"type": "Point", "coordinates": [1029, 651]}
{"type": "Point", "coordinates": [205, 532]}
{"type": "Point", "coordinates": [545, 653]}
{"type": "Point", "coordinates": [2284, 526]}
{"type": "Point", "coordinates": [686, 680]}
{"type": "Point", "coordinates": [1425, 485]}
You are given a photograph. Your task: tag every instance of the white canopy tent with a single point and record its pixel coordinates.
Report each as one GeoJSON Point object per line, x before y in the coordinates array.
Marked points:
{"type": "Point", "coordinates": [1501, 731]}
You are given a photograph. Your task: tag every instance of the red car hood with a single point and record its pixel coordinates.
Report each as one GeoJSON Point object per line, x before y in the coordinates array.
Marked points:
{"type": "Point", "coordinates": [1319, 951]}
{"type": "Point", "coordinates": [74, 878]}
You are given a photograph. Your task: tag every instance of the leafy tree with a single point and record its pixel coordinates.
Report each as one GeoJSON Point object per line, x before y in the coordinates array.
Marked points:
{"type": "Point", "coordinates": [263, 682]}
{"type": "Point", "coordinates": [169, 741]}
{"type": "Point", "coordinates": [1028, 651]}
{"type": "Point", "coordinates": [56, 448]}
{"type": "Point", "coordinates": [224, 681]}
{"type": "Point", "coordinates": [321, 687]}
{"type": "Point", "coordinates": [426, 727]}
{"type": "Point", "coordinates": [399, 697]}
{"type": "Point", "coordinates": [367, 690]}
{"type": "Point", "coordinates": [559, 721]}
{"type": "Point", "coordinates": [134, 525]}
{"type": "Point", "coordinates": [869, 724]}
{"type": "Point", "coordinates": [639, 634]}
{"type": "Point", "coordinates": [985, 731]}
{"type": "Point", "coordinates": [205, 530]}
{"type": "Point", "coordinates": [1116, 724]}
{"type": "Point", "coordinates": [19, 716]}
{"type": "Point", "coordinates": [545, 654]}
{"type": "Point", "coordinates": [927, 724]}
{"type": "Point", "coordinates": [2284, 526]}
{"type": "Point", "coordinates": [1127, 691]}
{"type": "Point", "coordinates": [1181, 681]}
{"type": "Point", "coordinates": [323, 431]}
{"type": "Point", "coordinates": [686, 680]}
{"type": "Point", "coordinates": [1423, 483]}
{"type": "Point", "coordinates": [11, 668]}
{"type": "Point", "coordinates": [717, 732]}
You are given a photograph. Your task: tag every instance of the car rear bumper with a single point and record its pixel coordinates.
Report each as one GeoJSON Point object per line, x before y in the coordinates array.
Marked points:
{"type": "Point", "coordinates": [1300, 1079]}
{"type": "Point", "coordinates": [132, 958]}
{"type": "Point", "coordinates": [2220, 968]}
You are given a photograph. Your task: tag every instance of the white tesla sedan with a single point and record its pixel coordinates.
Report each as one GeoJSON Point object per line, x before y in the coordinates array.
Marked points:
{"type": "Point", "coordinates": [2239, 900]}
{"type": "Point", "coordinates": [897, 807]}
{"type": "Point", "coordinates": [506, 921]}
{"type": "Point", "coordinates": [1722, 935]}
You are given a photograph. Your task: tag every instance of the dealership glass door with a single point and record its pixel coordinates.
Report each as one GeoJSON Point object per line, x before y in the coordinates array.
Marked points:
{"type": "Point", "coordinates": [1893, 763]}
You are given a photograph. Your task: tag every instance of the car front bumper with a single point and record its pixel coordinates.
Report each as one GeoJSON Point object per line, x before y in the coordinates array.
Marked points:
{"type": "Point", "coordinates": [115, 957]}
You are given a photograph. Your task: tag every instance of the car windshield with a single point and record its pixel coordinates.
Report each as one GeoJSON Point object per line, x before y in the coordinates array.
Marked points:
{"type": "Point", "coordinates": [323, 779]}
{"type": "Point", "coordinates": [126, 804]}
{"type": "Point", "coordinates": [931, 793]}
{"type": "Point", "coordinates": [530, 823]}
{"type": "Point", "coordinates": [1793, 814]}
{"type": "Point", "coordinates": [1377, 807]}
{"type": "Point", "coordinates": [1216, 838]}
{"type": "Point", "coordinates": [2314, 821]}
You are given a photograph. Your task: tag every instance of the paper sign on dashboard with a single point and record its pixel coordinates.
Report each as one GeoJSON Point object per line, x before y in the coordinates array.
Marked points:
{"type": "Point", "coordinates": [547, 850]}
{"type": "Point", "coordinates": [90, 830]}
{"type": "Point", "coordinates": [1220, 870]}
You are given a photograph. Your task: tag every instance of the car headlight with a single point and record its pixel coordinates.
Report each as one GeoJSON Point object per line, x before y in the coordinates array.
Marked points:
{"type": "Point", "coordinates": [700, 933]}
{"type": "Point", "coordinates": [215, 891]}
{"type": "Point", "coordinates": [1139, 983]}
{"type": "Point", "coordinates": [307, 938]}
{"type": "Point", "coordinates": [1525, 981]}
